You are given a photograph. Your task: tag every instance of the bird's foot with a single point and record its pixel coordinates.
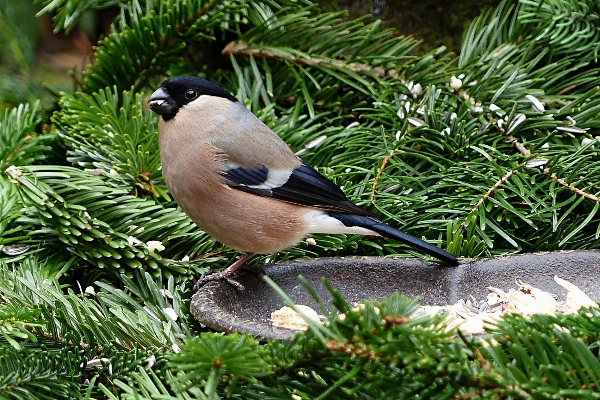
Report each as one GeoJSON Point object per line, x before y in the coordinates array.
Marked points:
{"type": "Point", "coordinates": [224, 275]}
{"type": "Point", "coordinates": [216, 276]}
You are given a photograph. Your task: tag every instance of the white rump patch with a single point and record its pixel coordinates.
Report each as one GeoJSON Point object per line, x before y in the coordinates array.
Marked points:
{"type": "Point", "coordinates": [320, 222]}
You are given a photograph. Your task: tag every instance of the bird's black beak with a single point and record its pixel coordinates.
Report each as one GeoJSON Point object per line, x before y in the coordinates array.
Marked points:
{"type": "Point", "coordinates": [161, 103]}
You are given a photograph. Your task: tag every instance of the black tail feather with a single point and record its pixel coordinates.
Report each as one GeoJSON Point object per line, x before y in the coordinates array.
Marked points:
{"type": "Point", "coordinates": [391, 233]}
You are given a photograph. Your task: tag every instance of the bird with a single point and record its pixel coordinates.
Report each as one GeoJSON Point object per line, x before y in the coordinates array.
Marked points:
{"type": "Point", "coordinates": [243, 185]}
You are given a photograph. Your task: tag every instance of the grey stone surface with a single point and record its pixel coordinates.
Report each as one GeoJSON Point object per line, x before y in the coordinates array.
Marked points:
{"type": "Point", "coordinates": [220, 306]}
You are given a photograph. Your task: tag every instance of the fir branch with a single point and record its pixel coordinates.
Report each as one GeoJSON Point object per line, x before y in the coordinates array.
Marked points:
{"type": "Point", "coordinates": [491, 30]}
{"type": "Point", "coordinates": [108, 133]}
{"type": "Point", "coordinates": [298, 38]}
{"type": "Point", "coordinates": [147, 39]}
{"type": "Point", "coordinates": [16, 323]}
{"type": "Point", "coordinates": [564, 26]}
{"type": "Point", "coordinates": [207, 360]}
{"type": "Point", "coordinates": [572, 188]}
{"type": "Point", "coordinates": [11, 213]}
{"type": "Point", "coordinates": [67, 13]}
{"type": "Point", "coordinates": [148, 385]}
{"type": "Point", "coordinates": [97, 222]}
{"type": "Point", "coordinates": [19, 142]}
{"type": "Point", "coordinates": [40, 375]}
{"type": "Point", "coordinates": [526, 153]}
{"type": "Point", "coordinates": [244, 49]}
{"type": "Point", "coordinates": [443, 146]}
{"type": "Point", "coordinates": [380, 171]}
{"type": "Point", "coordinates": [112, 319]}
{"type": "Point", "coordinates": [487, 194]}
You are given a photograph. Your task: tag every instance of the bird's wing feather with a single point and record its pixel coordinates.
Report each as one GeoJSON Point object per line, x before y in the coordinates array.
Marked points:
{"type": "Point", "coordinates": [353, 220]}
{"type": "Point", "coordinates": [303, 185]}
{"type": "Point", "coordinates": [259, 162]}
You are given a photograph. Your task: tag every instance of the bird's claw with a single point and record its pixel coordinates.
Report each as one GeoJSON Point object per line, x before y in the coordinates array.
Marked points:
{"type": "Point", "coordinates": [216, 276]}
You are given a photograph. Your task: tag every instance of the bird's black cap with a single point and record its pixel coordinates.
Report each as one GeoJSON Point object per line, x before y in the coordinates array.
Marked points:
{"type": "Point", "coordinates": [176, 92]}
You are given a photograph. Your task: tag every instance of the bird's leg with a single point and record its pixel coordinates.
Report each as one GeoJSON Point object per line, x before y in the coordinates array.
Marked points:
{"type": "Point", "coordinates": [225, 274]}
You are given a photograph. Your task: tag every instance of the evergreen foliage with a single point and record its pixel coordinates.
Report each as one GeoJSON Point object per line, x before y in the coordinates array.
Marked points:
{"type": "Point", "coordinates": [19, 145]}
{"type": "Point", "coordinates": [491, 152]}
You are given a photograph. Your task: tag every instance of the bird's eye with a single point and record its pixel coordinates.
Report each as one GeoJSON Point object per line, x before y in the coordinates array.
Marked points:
{"type": "Point", "coordinates": [191, 94]}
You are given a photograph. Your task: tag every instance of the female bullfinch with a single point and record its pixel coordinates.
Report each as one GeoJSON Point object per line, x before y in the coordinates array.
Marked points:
{"type": "Point", "coordinates": [241, 184]}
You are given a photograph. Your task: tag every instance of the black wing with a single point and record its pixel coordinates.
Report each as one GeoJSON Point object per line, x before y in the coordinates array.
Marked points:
{"type": "Point", "coordinates": [304, 186]}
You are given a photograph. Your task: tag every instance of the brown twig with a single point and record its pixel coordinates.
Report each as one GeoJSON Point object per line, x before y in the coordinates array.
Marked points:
{"type": "Point", "coordinates": [572, 188]}
{"type": "Point", "coordinates": [565, 90]}
{"type": "Point", "coordinates": [379, 172]}
{"type": "Point", "coordinates": [355, 350]}
{"type": "Point", "coordinates": [519, 146]}
{"type": "Point", "coordinates": [17, 149]}
{"type": "Point", "coordinates": [242, 48]}
{"type": "Point", "coordinates": [487, 194]}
